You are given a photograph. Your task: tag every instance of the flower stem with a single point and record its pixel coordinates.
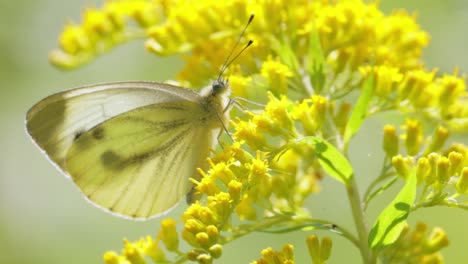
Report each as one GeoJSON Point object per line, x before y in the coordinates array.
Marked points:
{"type": "Point", "coordinates": [360, 222]}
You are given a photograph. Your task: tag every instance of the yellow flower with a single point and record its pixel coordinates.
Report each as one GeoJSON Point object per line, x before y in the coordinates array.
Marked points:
{"type": "Point", "coordinates": [386, 80]}
{"type": "Point", "coordinates": [442, 170]}
{"type": "Point", "coordinates": [249, 133]}
{"type": "Point", "coordinates": [201, 226]}
{"type": "Point", "coordinates": [319, 251]}
{"type": "Point", "coordinates": [240, 85]}
{"type": "Point", "coordinates": [112, 257]}
{"type": "Point", "coordinates": [400, 41]}
{"type": "Point", "coordinates": [462, 183]}
{"type": "Point", "coordinates": [168, 234]}
{"type": "Point", "coordinates": [270, 256]}
{"type": "Point", "coordinates": [74, 39]}
{"type": "Point", "coordinates": [451, 90]}
{"type": "Point", "coordinates": [245, 208]}
{"type": "Point", "coordinates": [221, 205]}
{"type": "Point", "coordinates": [277, 75]}
{"type": "Point", "coordinates": [311, 113]}
{"type": "Point", "coordinates": [413, 137]}
{"type": "Point", "coordinates": [275, 119]}
{"type": "Point", "coordinates": [219, 171]}
{"type": "Point", "coordinates": [97, 24]}
{"type": "Point", "coordinates": [390, 141]}
{"type": "Point", "coordinates": [416, 246]}
{"type": "Point", "coordinates": [438, 140]}
{"type": "Point", "coordinates": [417, 86]}
{"type": "Point", "coordinates": [402, 165]}
{"type": "Point", "coordinates": [423, 169]}
{"type": "Point", "coordinates": [436, 241]}
{"type": "Point", "coordinates": [259, 180]}
{"type": "Point", "coordinates": [134, 252]}
{"type": "Point", "coordinates": [153, 250]}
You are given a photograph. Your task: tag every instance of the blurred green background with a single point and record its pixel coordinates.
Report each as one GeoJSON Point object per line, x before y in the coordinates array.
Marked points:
{"type": "Point", "coordinates": [44, 219]}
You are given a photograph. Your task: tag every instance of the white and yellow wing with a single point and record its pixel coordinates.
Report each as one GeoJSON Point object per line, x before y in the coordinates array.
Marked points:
{"type": "Point", "coordinates": [54, 122]}
{"type": "Point", "coordinates": [129, 147]}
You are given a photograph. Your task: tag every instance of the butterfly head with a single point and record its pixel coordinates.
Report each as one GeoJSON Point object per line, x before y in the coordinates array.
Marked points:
{"type": "Point", "coordinates": [220, 86]}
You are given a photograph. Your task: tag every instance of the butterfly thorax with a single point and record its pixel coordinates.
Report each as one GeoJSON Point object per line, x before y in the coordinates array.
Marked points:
{"type": "Point", "coordinates": [215, 101]}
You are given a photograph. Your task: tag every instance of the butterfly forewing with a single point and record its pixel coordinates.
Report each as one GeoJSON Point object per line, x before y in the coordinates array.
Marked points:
{"type": "Point", "coordinates": [57, 120]}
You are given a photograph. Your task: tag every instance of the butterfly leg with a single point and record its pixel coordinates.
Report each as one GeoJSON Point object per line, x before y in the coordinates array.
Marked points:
{"type": "Point", "coordinates": [236, 102]}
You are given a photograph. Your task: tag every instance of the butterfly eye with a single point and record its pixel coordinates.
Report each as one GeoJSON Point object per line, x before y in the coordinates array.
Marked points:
{"type": "Point", "coordinates": [218, 87]}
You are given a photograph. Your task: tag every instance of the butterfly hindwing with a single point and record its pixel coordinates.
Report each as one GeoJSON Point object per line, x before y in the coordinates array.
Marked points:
{"type": "Point", "coordinates": [138, 163]}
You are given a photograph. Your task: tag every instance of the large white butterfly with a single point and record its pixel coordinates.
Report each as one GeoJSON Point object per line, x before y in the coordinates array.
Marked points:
{"type": "Point", "coordinates": [130, 147]}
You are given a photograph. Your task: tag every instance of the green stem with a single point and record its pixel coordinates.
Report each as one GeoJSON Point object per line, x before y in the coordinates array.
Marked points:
{"type": "Point", "coordinates": [360, 222]}
{"type": "Point", "coordinates": [383, 175]}
{"type": "Point", "coordinates": [181, 259]}
{"type": "Point", "coordinates": [340, 230]}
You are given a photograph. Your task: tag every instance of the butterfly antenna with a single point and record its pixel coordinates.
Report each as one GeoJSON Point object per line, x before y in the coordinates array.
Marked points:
{"type": "Point", "coordinates": [228, 61]}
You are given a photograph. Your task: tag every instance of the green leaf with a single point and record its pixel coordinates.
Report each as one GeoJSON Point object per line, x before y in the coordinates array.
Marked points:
{"type": "Point", "coordinates": [286, 54]}
{"type": "Point", "coordinates": [360, 109]}
{"type": "Point", "coordinates": [304, 227]}
{"type": "Point", "coordinates": [316, 62]}
{"type": "Point", "coordinates": [391, 221]}
{"type": "Point", "coordinates": [380, 190]}
{"type": "Point", "coordinates": [331, 159]}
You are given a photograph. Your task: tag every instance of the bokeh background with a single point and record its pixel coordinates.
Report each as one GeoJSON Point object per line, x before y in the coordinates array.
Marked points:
{"type": "Point", "coordinates": [44, 219]}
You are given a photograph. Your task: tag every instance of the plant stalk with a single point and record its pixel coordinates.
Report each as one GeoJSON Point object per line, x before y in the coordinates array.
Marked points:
{"type": "Point", "coordinates": [360, 222]}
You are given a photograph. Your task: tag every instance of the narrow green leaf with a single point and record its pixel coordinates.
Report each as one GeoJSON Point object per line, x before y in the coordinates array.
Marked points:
{"type": "Point", "coordinates": [360, 109]}
{"type": "Point", "coordinates": [331, 159]}
{"type": "Point", "coordinates": [316, 62]}
{"type": "Point", "coordinates": [381, 189]}
{"type": "Point", "coordinates": [304, 227]}
{"type": "Point", "coordinates": [286, 54]}
{"type": "Point", "coordinates": [391, 221]}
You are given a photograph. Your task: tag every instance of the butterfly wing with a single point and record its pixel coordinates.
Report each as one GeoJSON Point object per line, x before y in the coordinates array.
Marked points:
{"type": "Point", "coordinates": [129, 147]}
{"type": "Point", "coordinates": [56, 121]}
{"type": "Point", "coordinates": [138, 163]}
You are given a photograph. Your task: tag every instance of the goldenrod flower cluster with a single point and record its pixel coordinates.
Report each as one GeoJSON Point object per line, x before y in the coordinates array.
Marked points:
{"type": "Point", "coordinates": [270, 256]}
{"type": "Point", "coordinates": [416, 246]}
{"type": "Point", "coordinates": [319, 252]}
{"type": "Point", "coordinates": [355, 39]}
{"type": "Point", "coordinates": [421, 91]}
{"type": "Point", "coordinates": [439, 171]}
{"type": "Point", "coordinates": [309, 62]}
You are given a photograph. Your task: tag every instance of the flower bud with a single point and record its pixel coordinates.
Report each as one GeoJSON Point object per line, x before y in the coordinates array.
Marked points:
{"type": "Point", "coordinates": [462, 183]}
{"type": "Point", "coordinates": [390, 141]}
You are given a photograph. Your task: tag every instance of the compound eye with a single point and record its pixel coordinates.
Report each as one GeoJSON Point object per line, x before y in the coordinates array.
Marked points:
{"type": "Point", "coordinates": [218, 87]}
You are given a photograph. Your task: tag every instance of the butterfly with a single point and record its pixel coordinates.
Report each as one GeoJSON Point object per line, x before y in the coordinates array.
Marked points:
{"type": "Point", "coordinates": [130, 147]}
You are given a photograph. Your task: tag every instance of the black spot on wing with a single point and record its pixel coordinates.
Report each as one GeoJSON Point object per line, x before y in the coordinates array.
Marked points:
{"type": "Point", "coordinates": [78, 134]}
{"type": "Point", "coordinates": [98, 133]}
{"type": "Point", "coordinates": [110, 159]}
